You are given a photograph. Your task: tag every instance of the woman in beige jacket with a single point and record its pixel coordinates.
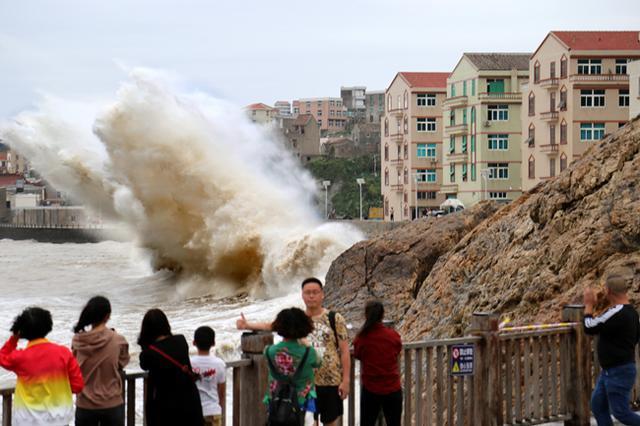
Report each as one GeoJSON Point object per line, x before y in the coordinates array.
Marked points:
{"type": "Point", "coordinates": [102, 354]}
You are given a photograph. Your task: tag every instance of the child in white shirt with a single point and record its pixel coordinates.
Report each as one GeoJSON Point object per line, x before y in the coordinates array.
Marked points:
{"type": "Point", "coordinates": [212, 370]}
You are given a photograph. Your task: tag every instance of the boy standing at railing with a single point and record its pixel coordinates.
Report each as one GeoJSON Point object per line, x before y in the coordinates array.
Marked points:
{"type": "Point", "coordinates": [212, 369]}
{"type": "Point", "coordinates": [618, 329]}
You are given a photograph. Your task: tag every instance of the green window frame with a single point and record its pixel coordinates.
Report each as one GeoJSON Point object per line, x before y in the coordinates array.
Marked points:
{"type": "Point", "coordinates": [473, 172]}
{"type": "Point", "coordinates": [453, 90]}
{"type": "Point", "coordinates": [473, 87]}
{"type": "Point", "coordinates": [421, 151]}
{"type": "Point", "coordinates": [464, 143]}
{"type": "Point", "coordinates": [473, 143]}
{"type": "Point", "coordinates": [431, 150]}
{"type": "Point", "coordinates": [452, 144]}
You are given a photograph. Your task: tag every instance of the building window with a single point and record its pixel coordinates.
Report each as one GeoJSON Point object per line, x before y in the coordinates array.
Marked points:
{"type": "Point", "coordinates": [386, 153]}
{"type": "Point", "coordinates": [498, 112]}
{"type": "Point", "coordinates": [621, 66]}
{"type": "Point", "coordinates": [453, 90]}
{"type": "Point", "coordinates": [464, 172]}
{"type": "Point", "coordinates": [531, 140]}
{"type": "Point", "coordinates": [536, 72]}
{"type": "Point", "coordinates": [591, 98]}
{"type": "Point", "coordinates": [406, 151]}
{"type": "Point", "coordinates": [532, 167]}
{"type": "Point", "coordinates": [320, 123]}
{"type": "Point", "coordinates": [473, 143]}
{"type": "Point", "coordinates": [495, 85]}
{"type": "Point", "coordinates": [552, 101]}
{"type": "Point", "coordinates": [426, 175]}
{"type": "Point", "coordinates": [498, 171]}
{"type": "Point", "coordinates": [427, 195]}
{"type": "Point", "coordinates": [563, 100]}
{"type": "Point", "coordinates": [473, 172]}
{"type": "Point", "coordinates": [622, 124]}
{"type": "Point", "coordinates": [426, 99]}
{"type": "Point", "coordinates": [498, 142]}
{"type": "Point", "coordinates": [426, 150]}
{"type": "Point", "coordinates": [464, 116]}
{"type": "Point", "coordinates": [406, 100]}
{"type": "Point", "coordinates": [563, 162]}
{"type": "Point", "coordinates": [589, 66]}
{"type": "Point", "coordinates": [406, 179]}
{"type": "Point", "coordinates": [386, 127]}
{"type": "Point", "coordinates": [563, 67]}
{"type": "Point", "coordinates": [464, 143]}
{"type": "Point", "coordinates": [497, 195]}
{"type": "Point", "coordinates": [406, 125]}
{"type": "Point", "coordinates": [452, 144]}
{"type": "Point", "coordinates": [389, 103]}
{"type": "Point", "coordinates": [319, 113]}
{"type": "Point", "coordinates": [563, 132]}
{"type": "Point", "coordinates": [552, 167]}
{"type": "Point", "coordinates": [386, 177]}
{"type": "Point", "coordinates": [532, 104]}
{"type": "Point", "coordinates": [452, 117]}
{"type": "Point", "coordinates": [473, 87]}
{"type": "Point", "coordinates": [552, 134]}
{"type": "Point", "coordinates": [552, 70]}
{"type": "Point", "coordinates": [426, 125]}
{"type": "Point", "coordinates": [591, 131]}
{"type": "Point", "coordinates": [452, 172]}
{"type": "Point", "coordinates": [623, 97]}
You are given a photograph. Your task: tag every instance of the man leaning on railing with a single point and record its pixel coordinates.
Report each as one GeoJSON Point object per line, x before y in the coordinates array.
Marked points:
{"type": "Point", "coordinates": [618, 329]}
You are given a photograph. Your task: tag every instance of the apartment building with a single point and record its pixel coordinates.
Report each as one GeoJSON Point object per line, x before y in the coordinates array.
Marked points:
{"type": "Point", "coordinates": [330, 113]}
{"type": "Point", "coordinates": [482, 131]}
{"type": "Point", "coordinates": [283, 108]}
{"type": "Point", "coordinates": [261, 113]}
{"type": "Point", "coordinates": [302, 136]}
{"type": "Point", "coordinates": [579, 92]}
{"type": "Point", "coordinates": [353, 98]}
{"type": "Point", "coordinates": [375, 105]}
{"type": "Point", "coordinates": [411, 144]}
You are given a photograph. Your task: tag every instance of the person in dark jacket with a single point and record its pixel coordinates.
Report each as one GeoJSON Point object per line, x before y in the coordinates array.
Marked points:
{"type": "Point", "coordinates": [172, 396]}
{"type": "Point", "coordinates": [378, 347]}
{"type": "Point", "coordinates": [102, 354]}
{"type": "Point", "coordinates": [618, 329]}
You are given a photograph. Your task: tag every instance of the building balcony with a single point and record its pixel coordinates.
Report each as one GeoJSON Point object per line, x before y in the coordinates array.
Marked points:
{"type": "Point", "coordinates": [458, 157]}
{"type": "Point", "coordinates": [549, 149]}
{"type": "Point", "coordinates": [397, 137]}
{"type": "Point", "coordinates": [456, 101]}
{"type": "Point", "coordinates": [504, 97]}
{"type": "Point", "coordinates": [599, 78]}
{"type": "Point", "coordinates": [398, 112]}
{"type": "Point", "coordinates": [549, 116]}
{"type": "Point", "coordinates": [398, 162]}
{"type": "Point", "coordinates": [449, 189]}
{"type": "Point", "coordinates": [457, 129]}
{"type": "Point", "coordinates": [428, 186]}
{"type": "Point", "coordinates": [398, 187]}
{"type": "Point", "coordinates": [550, 83]}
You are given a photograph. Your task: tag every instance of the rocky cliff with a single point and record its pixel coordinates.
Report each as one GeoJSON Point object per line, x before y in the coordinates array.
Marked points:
{"type": "Point", "coordinates": [524, 261]}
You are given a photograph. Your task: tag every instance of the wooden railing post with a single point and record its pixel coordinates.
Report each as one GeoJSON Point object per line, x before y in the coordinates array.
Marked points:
{"type": "Point", "coordinates": [578, 387]}
{"type": "Point", "coordinates": [253, 379]}
{"type": "Point", "coordinates": [486, 381]}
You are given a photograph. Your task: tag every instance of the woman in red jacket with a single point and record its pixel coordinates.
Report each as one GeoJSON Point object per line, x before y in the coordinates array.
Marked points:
{"type": "Point", "coordinates": [47, 373]}
{"type": "Point", "coordinates": [378, 347]}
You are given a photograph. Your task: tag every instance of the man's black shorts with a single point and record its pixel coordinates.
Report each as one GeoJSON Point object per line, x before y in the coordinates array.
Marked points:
{"type": "Point", "coordinates": [329, 405]}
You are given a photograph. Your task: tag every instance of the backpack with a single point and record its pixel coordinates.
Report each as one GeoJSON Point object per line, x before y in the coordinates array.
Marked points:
{"type": "Point", "coordinates": [284, 409]}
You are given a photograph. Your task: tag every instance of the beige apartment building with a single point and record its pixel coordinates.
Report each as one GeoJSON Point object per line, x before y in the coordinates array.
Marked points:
{"type": "Point", "coordinates": [482, 132]}
{"type": "Point", "coordinates": [261, 113]}
{"type": "Point", "coordinates": [330, 113]}
{"type": "Point", "coordinates": [411, 144]}
{"type": "Point", "coordinates": [578, 92]}
{"type": "Point", "coordinates": [302, 136]}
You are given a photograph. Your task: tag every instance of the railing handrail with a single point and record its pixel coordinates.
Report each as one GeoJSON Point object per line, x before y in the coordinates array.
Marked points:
{"type": "Point", "coordinates": [441, 342]}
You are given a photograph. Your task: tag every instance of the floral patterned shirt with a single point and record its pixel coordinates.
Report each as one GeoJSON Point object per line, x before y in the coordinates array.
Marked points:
{"type": "Point", "coordinates": [286, 357]}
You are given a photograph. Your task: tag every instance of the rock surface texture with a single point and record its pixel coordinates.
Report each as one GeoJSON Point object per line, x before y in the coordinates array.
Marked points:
{"type": "Point", "coordinates": [523, 261]}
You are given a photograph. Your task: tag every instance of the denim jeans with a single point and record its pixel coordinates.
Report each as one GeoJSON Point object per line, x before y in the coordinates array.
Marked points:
{"type": "Point", "coordinates": [612, 395]}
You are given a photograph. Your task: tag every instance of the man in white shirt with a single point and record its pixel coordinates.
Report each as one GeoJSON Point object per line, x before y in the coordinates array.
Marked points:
{"type": "Point", "coordinates": [212, 369]}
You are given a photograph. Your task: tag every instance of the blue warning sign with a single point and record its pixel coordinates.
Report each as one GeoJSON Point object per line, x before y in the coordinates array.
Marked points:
{"type": "Point", "coordinates": [462, 360]}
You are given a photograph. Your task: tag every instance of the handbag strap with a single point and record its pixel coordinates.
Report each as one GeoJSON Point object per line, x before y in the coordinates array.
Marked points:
{"type": "Point", "coordinates": [172, 360]}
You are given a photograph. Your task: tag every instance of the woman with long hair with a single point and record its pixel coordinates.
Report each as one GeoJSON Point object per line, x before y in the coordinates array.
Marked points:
{"type": "Point", "coordinates": [378, 348]}
{"type": "Point", "coordinates": [172, 396]}
{"type": "Point", "coordinates": [102, 354]}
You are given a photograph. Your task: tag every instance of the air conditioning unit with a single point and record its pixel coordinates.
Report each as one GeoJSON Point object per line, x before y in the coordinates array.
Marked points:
{"type": "Point", "coordinates": [487, 124]}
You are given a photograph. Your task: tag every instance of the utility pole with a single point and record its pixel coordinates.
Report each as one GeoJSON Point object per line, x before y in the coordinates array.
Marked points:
{"type": "Point", "coordinates": [360, 183]}
{"type": "Point", "coordinates": [326, 184]}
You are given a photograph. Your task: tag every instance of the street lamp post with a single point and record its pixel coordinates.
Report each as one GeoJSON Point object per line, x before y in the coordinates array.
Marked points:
{"type": "Point", "coordinates": [416, 179]}
{"type": "Point", "coordinates": [360, 183]}
{"type": "Point", "coordinates": [484, 174]}
{"type": "Point", "coordinates": [326, 184]}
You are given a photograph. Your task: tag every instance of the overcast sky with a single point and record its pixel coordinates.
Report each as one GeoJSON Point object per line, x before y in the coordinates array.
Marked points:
{"type": "Point", "coordinates": [263, 51]}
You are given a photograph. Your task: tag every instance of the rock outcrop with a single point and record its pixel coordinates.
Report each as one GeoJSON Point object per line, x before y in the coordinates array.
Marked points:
{"type": "Point", "coordinates": [524, 262]}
